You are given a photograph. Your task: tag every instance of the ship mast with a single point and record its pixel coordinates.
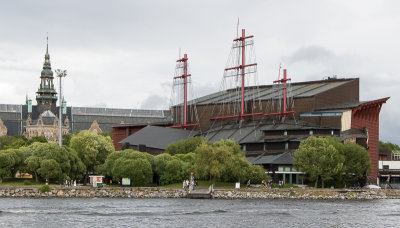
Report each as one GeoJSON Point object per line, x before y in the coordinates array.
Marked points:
{"type": "Point", "coordinates": [184, 76]}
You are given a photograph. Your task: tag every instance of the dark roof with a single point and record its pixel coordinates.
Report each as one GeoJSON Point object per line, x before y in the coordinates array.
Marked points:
{"type": "Point", "coordinates": [353, 133]}
{"type": "Point", "coordinates": [158, 137]}
{"type": "Point", "coordinates": [161, 123]}
{"type": "Point", "coordinates": [252, 132]}
{"type": "Point", "coordinates": [284, 158]}
{"type": "Point", "coordinates": [267, 92]}
{"type": "Point", "coordinates": [353, 105]}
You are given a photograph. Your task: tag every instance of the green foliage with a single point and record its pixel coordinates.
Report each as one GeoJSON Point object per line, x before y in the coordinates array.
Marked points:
{"type": "Point", "coordinates": [256, 174]}
{"type": "Point", "coordinates": [185, 146]}
{"type": "Point", "coordinates": [319, 159]}
{"type": "Point", "coordinates": [356, 161]}
{"type": "Point", "coordinates": [16, 144]}
{"type": "Point", "coordinates": [49, 161]}
{"type": "Point", "coordinates": [44, 188]}
{"type": "Point", "coordinates": [92, 148]}
{"type": "Point", "coordinates": [40, 139]}
{"type": "Point", "coordinates": [172, 169]}
{"type": "Point", "coordinates": [225, 161]}
{"type": "Point", "coordinates": [174, 172]}
{"type": "Point", "coordinates": [388, 146]}
{"type": "Point", "coordinates": [12, 142]}
{"type": "Point", "coordinates": [7, 162]}
{"type": "Point", "coordinates": [130, 164]}
{"type": "Point", "coordinates": [160, 162]}
{"type": "Point", "coordinates": [189, 157]}
{"type": "Point", "coordinates": [66, 139]}
{"type": "Point", "coordinates": [106, 134]}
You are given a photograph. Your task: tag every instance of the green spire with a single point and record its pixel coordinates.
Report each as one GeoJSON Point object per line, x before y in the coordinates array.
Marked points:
{"type": "Point", "coordinates": [46, 93]}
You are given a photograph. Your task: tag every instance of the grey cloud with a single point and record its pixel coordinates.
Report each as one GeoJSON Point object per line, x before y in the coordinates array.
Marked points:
{"type": "Point", "coordinates": [310, 54]}
{"type": "Point", "coordinates": [155, 102]}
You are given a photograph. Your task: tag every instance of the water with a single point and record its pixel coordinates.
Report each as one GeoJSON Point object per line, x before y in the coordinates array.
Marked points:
{"type": "Point", "coordinates": [100, 212]}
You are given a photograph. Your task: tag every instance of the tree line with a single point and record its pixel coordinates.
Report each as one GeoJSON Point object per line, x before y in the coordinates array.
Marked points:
{"type": "Point", "coordinates": [87, 153]}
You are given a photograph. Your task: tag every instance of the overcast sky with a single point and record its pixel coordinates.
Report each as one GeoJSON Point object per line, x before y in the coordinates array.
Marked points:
{"type": "Point", "coordinates": [121, 54]}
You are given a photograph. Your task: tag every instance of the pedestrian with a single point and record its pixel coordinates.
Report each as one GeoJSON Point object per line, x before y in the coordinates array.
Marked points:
{"type": "Point", "coordinates": [248, 183]}
{"type": "Point", "coordinates": [74, 183]}
{"type": "Point", "coordinates": [184, 184]}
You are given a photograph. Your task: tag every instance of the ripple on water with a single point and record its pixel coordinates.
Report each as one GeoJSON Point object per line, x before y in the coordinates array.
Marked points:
{"type": "Point", "coordinates": [197, 213]}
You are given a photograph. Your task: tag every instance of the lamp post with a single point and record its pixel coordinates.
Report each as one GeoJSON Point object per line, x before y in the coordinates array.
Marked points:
{"type": "Point", "coordinates": [60, 74]}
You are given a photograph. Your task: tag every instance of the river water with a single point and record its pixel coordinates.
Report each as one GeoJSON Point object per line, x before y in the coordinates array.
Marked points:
{"type": "Point", "coordinates": [104, 212]}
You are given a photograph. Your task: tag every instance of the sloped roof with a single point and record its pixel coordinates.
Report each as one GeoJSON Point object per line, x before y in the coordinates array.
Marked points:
{"type": "Point", "coordinates": [158, 137]}
{"type": "Point", "coordinates": [354, 104]}
{"type": "Point", "coordinates": [266, 92]}
{"type": "Point", "coordinates": [284, 158]}
{"type": "Point", "coordinates": [252, 132]}
{"type": "Point", "coordinates": [353, 133]}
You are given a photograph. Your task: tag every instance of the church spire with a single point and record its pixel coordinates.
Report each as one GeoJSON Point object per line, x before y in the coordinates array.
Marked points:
{"type": "Point", "coordinates": [46, 95]}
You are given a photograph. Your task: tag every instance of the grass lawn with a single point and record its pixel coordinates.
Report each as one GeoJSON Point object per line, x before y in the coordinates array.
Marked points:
{"type": "Point", "coordinates": [23, 182]}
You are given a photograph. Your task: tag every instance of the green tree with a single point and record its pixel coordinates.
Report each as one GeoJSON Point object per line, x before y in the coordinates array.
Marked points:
{"type": "Point", "coordinates": [16, 144]}
{"type": "Point", "coordinates": [66, 139]}
{"type": "Point", "coordinates": [222, 160]}
{"type": "Point", "coordinates": [49, 161]}
{"type": "Point", "coordinates": [256, 174]}
{"type": "Point", "coordinates": [160, 163]}
{"type": "Point", "coordinates": [318, 159]}
{"type": "Point", "coordinates": [92, 149]}
{"type": "Point", "coordinates": [175, 172]}
{"type": "Point", "coordinates": [7, 162]}
{"type": "Point", "coordinates": [130, 164]}
{"type": "Point", "coordinates": [185, 146]}
{"type": "Point", "coordinates": [106, 134]}
{"type": "Point", "coordinates": [388, 146]}
{"type": "Point", "coordinates": [356, 162]}
{"type": "Point", "coordinates": [34, 139]}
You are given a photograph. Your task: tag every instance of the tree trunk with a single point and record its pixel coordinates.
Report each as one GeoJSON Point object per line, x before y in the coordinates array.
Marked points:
{"type": "Point", "coordinates": [36, 177]}
{"type": "Point", "coordinates": [316, 183]}
{"type": "Point", "coordinates": [322, 180]}
{"type": "Point", "coordinates": [1, 180]}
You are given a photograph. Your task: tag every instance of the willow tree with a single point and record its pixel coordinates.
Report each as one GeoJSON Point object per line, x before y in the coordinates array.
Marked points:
{"type": "Point", "coordinates": [92, 149]}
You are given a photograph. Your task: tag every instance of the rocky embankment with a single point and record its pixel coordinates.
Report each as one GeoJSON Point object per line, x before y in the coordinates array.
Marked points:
{"type": "Point", "coordinates": [307, 194]}
{"type": "Point", "coordinates": [106, 192]}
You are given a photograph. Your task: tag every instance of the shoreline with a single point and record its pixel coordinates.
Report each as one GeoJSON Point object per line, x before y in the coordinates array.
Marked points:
{"type": "Point", "coordinates": [157, 192]}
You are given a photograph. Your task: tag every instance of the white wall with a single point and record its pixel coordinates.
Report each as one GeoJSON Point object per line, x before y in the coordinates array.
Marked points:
{"type": "Point", "coordinates": [392, 164]}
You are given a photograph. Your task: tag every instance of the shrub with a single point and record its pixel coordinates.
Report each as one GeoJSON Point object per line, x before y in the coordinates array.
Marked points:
{"type": "Point", "coordinates": [45, 188]}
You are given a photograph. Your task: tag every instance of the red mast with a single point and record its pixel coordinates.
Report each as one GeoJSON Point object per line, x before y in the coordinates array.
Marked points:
{"type": "Point", "coordinates": [283, 81]}
{"type": "Point", "coordinates": [242, 67]}
{"type": "Point", "coordinates": [184, 77]}
{"type": "Point", "coordinates": [242, 45]}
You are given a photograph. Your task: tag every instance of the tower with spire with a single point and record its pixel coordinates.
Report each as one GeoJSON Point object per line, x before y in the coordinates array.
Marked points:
{"type": "Point", "coordinates": [46, 95]}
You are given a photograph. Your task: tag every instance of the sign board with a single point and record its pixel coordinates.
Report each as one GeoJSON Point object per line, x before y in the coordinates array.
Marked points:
{"type": "Point", "coordinates": [237, 185]}
{"type": "Point", "coordinates": [126, 181]}
{"type": "Point", "coordinates": [96, 179]}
